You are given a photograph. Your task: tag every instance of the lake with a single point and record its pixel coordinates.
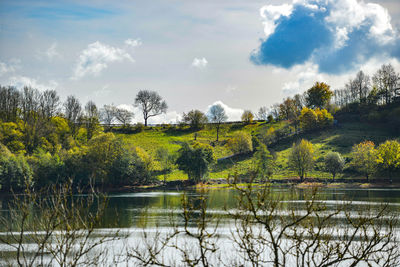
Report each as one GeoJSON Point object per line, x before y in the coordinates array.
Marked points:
{"type": "Point", "coordinates": [152, 212]}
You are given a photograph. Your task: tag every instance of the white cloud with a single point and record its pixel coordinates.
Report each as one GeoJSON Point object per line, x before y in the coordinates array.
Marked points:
{"type": "Point", "coordinates": [21, 81]}
{"type": "Point", "coordinates": [348, 15]}
{"type": "Point", "coordinates": [234, 114]}
{"type": "Point", "coordinates": [133, 42]}
{"type": "Point", "coordinates": [51, 52]}
{"type": "Point", "coordinates": [9, 67]}
{"type": "Point", "coordinates": [96, 57]}
{"type": "Point", "coordinates": [271, 13]}
{"type": "Point", "coordinates": [200, 63]}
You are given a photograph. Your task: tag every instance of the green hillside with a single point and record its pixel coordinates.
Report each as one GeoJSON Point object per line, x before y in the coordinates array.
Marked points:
{"type": "Point", "coordinates": [339, 138]}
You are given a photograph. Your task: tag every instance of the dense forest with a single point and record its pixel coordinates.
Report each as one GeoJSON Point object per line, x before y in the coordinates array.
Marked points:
{"type": "Point", "coordinates": [46, 141]}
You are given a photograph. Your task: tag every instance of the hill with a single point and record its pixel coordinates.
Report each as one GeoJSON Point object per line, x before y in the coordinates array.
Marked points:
{"type": "Point", "coordinates": [339, 138]}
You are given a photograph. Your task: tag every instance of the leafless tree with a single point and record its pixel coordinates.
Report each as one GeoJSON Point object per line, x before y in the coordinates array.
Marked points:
{"type": "Point", "coordinates": [124, 116]}
{"type": "Point", "coordinates": [151, 104]}
{"type": "Point", "coordinates": [217, 115]}
{"type": "Point", "coordinates": [73, 111]}
{"type": "Point", "coordinates": [107, 114]}
{"type": "Point", "coordinates": [49, 103]}
{"type": "Point", "coordinates": [262, 113]}
{"type": "Point", "coordinates": [386, 80]}
{"type": "Point", "coordinates": [10, 100]}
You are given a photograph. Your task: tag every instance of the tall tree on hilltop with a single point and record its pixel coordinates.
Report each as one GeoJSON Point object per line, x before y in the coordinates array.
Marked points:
{"type": "Point", "coordinates": [151, 104]}
{"type": "Point", "coordinates": [217, 115]}
{"type": "Point", "coordinates": [318, 95]}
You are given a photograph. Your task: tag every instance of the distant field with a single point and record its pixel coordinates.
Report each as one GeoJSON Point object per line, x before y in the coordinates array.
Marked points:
{"type": "Point", "coordinates": [340, 139]}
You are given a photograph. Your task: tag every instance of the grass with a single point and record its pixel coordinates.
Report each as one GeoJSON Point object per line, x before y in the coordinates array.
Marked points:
{"type": "Point", "coordinates": [340, 139]}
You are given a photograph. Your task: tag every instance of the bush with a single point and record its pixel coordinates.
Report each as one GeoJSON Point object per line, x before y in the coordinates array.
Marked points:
{"type": "Point", "coordinates": [240, 143]}
{"type": "Point", "coordinates": [48, 169]}
{"type": "Point", "coordinates": [334, 163]}
{"type": "Point", "coordinates": [389, 156]}
{"type": "Point", "coordinates": [247, 117]}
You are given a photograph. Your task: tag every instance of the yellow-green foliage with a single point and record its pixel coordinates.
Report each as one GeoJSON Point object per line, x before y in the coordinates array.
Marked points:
{"type": "Point", "coordinates": [11, 136]}
{"type": "Point", "coordinates": [365, 157]}
{"type": "Point", "coordinates": [389, 155]}
{"type": "Point", "coordinates": [145, 157]}
{"type": "Point", "coordinates": [247, 116]}
{"type": "Point", "coordinates": [301, 158]}
{"type": "Point", "coordinates": [240, 143]}
{"type": "Point", "coordinates": [311, 119]}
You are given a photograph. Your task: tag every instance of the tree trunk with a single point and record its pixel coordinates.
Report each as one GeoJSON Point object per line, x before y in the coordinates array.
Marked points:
{"type": "Point", "coordinates": [145, 122]}
{"type": "Point", "coordinates": [217, 132]}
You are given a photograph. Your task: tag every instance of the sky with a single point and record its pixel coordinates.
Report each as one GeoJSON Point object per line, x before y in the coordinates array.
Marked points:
{"type": "Point", "coordinates": [240, 54]}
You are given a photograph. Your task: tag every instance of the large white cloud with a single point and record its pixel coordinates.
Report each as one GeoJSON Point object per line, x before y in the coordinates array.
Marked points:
{"type": "Point", "coordinates": [96, 57]}
{"type": "Point", "coordinates": [270, 15]}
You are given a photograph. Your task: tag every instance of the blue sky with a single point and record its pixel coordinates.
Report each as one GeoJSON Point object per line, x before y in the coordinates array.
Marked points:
{"type": "Point", "coordinates": [242, 54]}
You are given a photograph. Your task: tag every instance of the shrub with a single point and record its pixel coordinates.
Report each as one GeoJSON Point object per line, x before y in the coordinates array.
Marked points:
{"type": "Point", "coordinates": [15, 172]}
{"type": "Point", "coordinates": [240, 143]}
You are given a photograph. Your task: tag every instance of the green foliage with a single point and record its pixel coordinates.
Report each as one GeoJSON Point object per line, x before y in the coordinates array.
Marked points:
{"type": "Point", "coordinates": [166, 161]}
{"type": "Point", "coordinates": [240, 143]}
{"type": "Point", "coordinates": [195, 160]}
{"type": "Point", "coordinates": [301, 159]}
{"type": "Point", "coordinates": [48, 169]}
{"type": "Point", "coordinates": [195, 118]}
{"type": "Point", "coordinates": [388, 156]}
{"type": "Point", "coordinates": [247, 117]}
{"type": "Point", "coordinates": [312, 119]}
{"type": "Point", "coordinates": [12, 136]}
{"type": "Point", "coordinates": [365, 158]}
{"type": "Point", "coordinates": [318, 95]}
{"type": "Point", "coordinates": [15, 172]}
{"type": "Point", "coordinates": [334, 163]}
{"type": "Point", "coordinates": [264, 163]}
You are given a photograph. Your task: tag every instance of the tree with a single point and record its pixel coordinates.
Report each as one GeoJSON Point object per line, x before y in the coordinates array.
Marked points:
{"type": "Point", "coordinates": [107, 114]}
{"type": "Point", "coordinates": [73, 111]}
{"type": "Point", "coordinates": [318, 95]}
{"type": "Point", "coordinates": [386, 80]}
{"type": "Point", "coordinates": [264, 162]}
{"type": "Point", "coordinates": [195, 160]}
{"type": "Point", "coordinates": [217, 115]}
{"type": "Point", "coordinates": [124, 116]}
{"type": "Point", "coordinates": [301, 158]}
{"type": "Point", "coordinates": [91, 119]}
{"type": "Point", "coordinates": [361, 84]}
{"type": "Point", "coordinates": [49, 104]}
{"type": "Point", "coordinates": [365, 158]}
{"type": "Point", "coordinates": [308, 119]}
{"type": "Point", "coordinates": [240, 143]}
{"type": "Point", "coordinates": [166, 161]}
{"type": "Point", "coordinates": [389, 156]}
{"type": "Point", "coordinates": [288, 109]}
{"type": "Point", "coordinates": [334, 163]}
{"type": "Point", "coordinates": [247, 117]}
{"type": "Point", "coordinates": [262, 113]}
{"type": "Point", "coordinates": [195, 118]}
{"type": "Point", "coordinates": [151, 104]}
{"type": "Point", "coordinates": [10, 100]}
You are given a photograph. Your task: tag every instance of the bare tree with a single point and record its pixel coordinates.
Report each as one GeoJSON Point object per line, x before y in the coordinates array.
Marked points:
{"type": "Point", "coordinates": [73, 110]}
{"type": "Point", "coordinates": [49, 103]}
{"type": "Point", "coordinates": [107, 114]}
{"type": "Point", "coordinates": [10, 100]}
{"type": "Point", "coordinates": [124, 116]}
{"type": "Point", "coordinates": [262, 113]}
{"type": "Point", "coordinates": [386, 80]}
{"type": "Point", "coordinates": [362, 85]}
{"type": "Point", "coordinates": [217, 115]}
{"type": "Point", "coordinates": [55, 228]}
{"type": "Point", "coordinates": [91, 118]}
{"type": "Point", "coordinates": [151, 104]}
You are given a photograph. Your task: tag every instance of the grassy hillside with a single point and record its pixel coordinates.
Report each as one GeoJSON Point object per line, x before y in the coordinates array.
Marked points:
{"type": "Point", "coordinates": [340, 138]}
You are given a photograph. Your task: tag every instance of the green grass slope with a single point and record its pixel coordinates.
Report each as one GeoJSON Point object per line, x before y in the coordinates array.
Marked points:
{"type": "Point", "coordinates": [340, 138]}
